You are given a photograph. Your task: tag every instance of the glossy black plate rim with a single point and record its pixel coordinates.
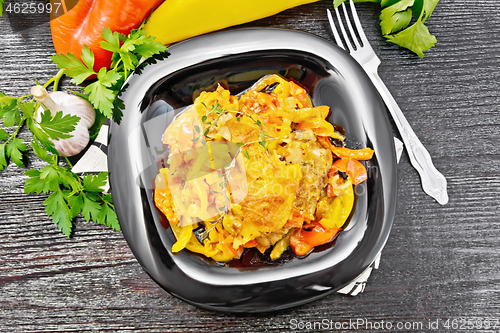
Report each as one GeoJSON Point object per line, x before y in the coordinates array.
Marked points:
{"type": "Point", "coordinates": [267, 293]}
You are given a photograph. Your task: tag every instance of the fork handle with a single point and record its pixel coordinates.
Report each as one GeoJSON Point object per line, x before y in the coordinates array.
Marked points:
{"type": "Point", "coordinates": [433, 182]}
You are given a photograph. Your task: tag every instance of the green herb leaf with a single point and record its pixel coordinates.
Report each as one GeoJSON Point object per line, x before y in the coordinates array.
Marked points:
{"type": "Point", "coordinates": [56, 207]}
{"type": "Point", "coordinates": [3, 135]}
{"type": "Point", "coordinates": [3, 160]}
{"type": "Point", "coordinates": [107, 215]}
{"type": "Point", "coordinates": [10, 113]}
{"type": "Point", "coordinates": [91, 208]}
{"type": "Point", "coordinates": [152, 60]}
{"type": "Point", "coordinates": [59, 126]}
{"type": "Point", "coordinates": [415, 38]}
{"type": "Point", "coordinates": [33, 184]}
{"type": "Point", "coordinates": [395, 19]}
{"type": "Point", "coordinates": [69, 179]}
{"type": "Point", "coordinates": [245, 153]}
{"type": "Point", "coordinates": [418, 6]}
{"type": "Point", "coordinates": [15, 149]}
{"type": "Point", "coordinates": [76, 203]}
{"type": "Point", "coordinates": [101, 95]}
{"type": "Point", "coordinates": [6, 103]}
{"type": "Point", "coordinates": [2, 2]}
{"type": "Point", "coordinates": [396, 22]}
{"type": "Point", "coordinates": [111, 40]}
{"type": "Point", "coordinates": [51, 177]}
{"type": "Point", "coordinates": [28, 109]}
{"type": "Point", "coordinates": [75, 68]}
{"type": "Point", "coordinates": [148, 48]}
{"type": "Point", "coordinates": [94, 183]}
{"type": "Point", "coordinates": [40, 152]}
{"type": "Point", "coordinates": [40, 135]}
{"type": "Point", "coordinates": [263, 135]}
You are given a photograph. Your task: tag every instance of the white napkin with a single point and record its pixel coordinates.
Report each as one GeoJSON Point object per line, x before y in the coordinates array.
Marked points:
{"type": "Point", "coordinates": [95, 160]}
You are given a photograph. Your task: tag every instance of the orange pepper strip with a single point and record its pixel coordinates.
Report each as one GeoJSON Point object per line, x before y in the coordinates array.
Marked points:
{"type": "Point", "coordinates": [354, 169]}
{"type": "Point", "coordinates": [310, 124]}
{"type": "Point", "coordinates": [303, 241]}
{"type": "Point", "coordinates": [300, 94]}
{"type": "Point", "coordinates": [358, 154]}
{"type": "Point", "coordinates": [249, 244]}
{"type": "Point", "coordinates": [297, 219]}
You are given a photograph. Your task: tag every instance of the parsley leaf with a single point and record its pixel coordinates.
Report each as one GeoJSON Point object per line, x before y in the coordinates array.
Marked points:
{"type": "Point", "coordinates": [416, 38]}
{"type": "Point", "coordinates": [3, 135]}
{"type": "Point", "coordinates": [56, 207]}
{"type": "Point", "coordinates": [42, 137]}
{"type": "Point", "coordinates": [152, 60]}
{"type": "Point", "coordinates": [71, 196]}
{"type": "Point", "coordinates": [396, 17]}
{"type": "Point", "coordinates": [91, 208]}
{"type": "Point", "coordinates": [59, 126]}
{"type": "Point", "coordinates": [40, 152]}
{"type": "Point", "coordinates": [6, 103]}
{"type": "Point", "coordinates": [3, 159]}
{"type": "Point", "coordinates": [94, 183]}
{"type": "Point", "coordinates": [76, 202]}
{"type": "Point", "coordinates": [15, 149]}
{"type": "Point", "coordinates": [427, 6]}
{"type": "Point", "coordinates": [100, 93]}
{"type": "Point", "coordinates": [10, 113]}
{"type": "Point", "coordinates": [107, 215]}
{"type": "Point", "coordinates": [79, 71]}
{"type": "Point", "coordinates": [111, 40]}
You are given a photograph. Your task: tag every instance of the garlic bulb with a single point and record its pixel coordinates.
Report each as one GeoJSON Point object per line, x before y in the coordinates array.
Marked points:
{"type": "Point", "coordinates": [69, 104]}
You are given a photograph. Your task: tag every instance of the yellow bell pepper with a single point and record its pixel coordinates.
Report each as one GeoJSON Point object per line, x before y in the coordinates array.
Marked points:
{"type": "Point", "coordinates": [176, 20]}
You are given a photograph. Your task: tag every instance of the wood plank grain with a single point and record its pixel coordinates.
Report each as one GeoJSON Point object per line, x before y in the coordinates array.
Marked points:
{"type": "Point", "coordinates": [439, 262]}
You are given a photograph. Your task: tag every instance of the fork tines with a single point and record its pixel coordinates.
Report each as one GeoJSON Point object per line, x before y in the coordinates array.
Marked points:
{"type": "Point", "coordinates": [359, 40]}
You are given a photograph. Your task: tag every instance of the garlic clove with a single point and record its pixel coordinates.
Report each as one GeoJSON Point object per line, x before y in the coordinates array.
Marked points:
{"type": "Point", "coordinates": [68, 104]}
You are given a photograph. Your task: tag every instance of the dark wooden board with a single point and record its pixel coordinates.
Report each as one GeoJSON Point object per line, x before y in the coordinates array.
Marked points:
{"type": "Point", "coordinates": [439, 263]}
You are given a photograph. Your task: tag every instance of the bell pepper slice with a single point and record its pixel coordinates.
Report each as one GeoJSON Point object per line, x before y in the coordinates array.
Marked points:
{"type": "Point", "coordinates": [174, 21]}
{"type": "Point", "coordinates": [353, 168]}
{"type": "Point", "coordinates": [303, 241]}
{"type": "Point", "coordinates": [358, 154]}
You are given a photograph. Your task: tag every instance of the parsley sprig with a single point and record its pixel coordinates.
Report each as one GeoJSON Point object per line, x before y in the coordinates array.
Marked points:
{"type": "Point", "coordinates": [128, 53]}
{"type": "Point", "coordinates": [15, 113]}
{"type": "Point", "coordinates": [70, 195]}
{"type": "Point", "coordinates": [395, 20]}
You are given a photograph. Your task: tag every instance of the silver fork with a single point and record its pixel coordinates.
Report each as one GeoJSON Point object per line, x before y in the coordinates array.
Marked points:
{"type": "Point", "coordinates": [433, 182]}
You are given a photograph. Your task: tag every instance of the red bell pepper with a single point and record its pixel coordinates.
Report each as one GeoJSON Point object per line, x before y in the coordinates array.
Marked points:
{"type": "Point", "coordinates": [303, 241]}
{"type": "Point", "coordinates": [83, 25]}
